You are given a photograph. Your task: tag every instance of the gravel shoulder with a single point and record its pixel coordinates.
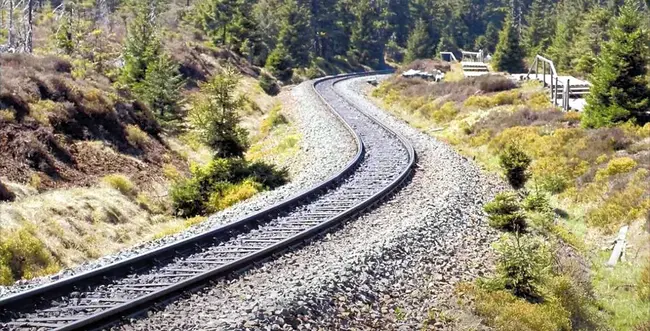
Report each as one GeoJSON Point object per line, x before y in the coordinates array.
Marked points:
{"type": "Point", "coordinates": [392, 268]}
{"type": "Point", "coordinates": [325, 148]}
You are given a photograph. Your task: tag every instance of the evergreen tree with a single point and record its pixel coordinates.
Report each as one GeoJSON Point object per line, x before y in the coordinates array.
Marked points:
{"type": "Point", "coordinates": [538, 32]}
{"type": "Point", "coordinates": [161, 88]}
{"type": "Point", "coordinates": [216, 114]}
{"type": "Point", "coordinates": [593, 34]}
{"type": "Point", "coordinates": [294, 34]}
{"type": "Point", "coordinates": [509, 56]}
{"type": "Point", "coordinates": [279, 64]}
{"type": "Point", "coordinates": [142, 46]}
{"type": "Point", "coordinates": [620, 84]}
{"type": "Point", "coordinates": [369, 32]}
{"type": "Point", "coordinates": [491, 37]}
{"type": "Point", "coordinates": [419, 43]}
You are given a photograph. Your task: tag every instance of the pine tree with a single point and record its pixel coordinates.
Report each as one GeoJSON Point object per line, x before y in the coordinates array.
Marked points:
{"type": "Point", "coordinates": [216, 114]}
{"type": "Point", "coordinates": [419, 43]}
{"type": "Point", "coordinates": [142, 46]}
{"type": "Point", "coordinates": [369, 29]}
{"type": "Point", "coordinates": [161, 88]}
{"type": "Point", "coordinates": [491, 37]}
{"type": "Point", "coordinates": [509, 56]}
{"type": "Point", "coordinates": [538, 32]}
{"type": "Point", "coordinates": [620, 84]}
{"type": "Point", "coordinates": [279, 64]}
{"type": "Point", "coordinates": [294, 34]}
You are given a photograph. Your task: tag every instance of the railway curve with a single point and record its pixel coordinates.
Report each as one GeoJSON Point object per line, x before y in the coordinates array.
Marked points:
{"type": "Point", "coordinates": [383, 162]}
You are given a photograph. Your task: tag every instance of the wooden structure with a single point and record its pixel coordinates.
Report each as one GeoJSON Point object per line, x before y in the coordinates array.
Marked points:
{"type": "Point", "coordinates": [448, 55]}
{"type": "Point", "coordinates": [570, 91]}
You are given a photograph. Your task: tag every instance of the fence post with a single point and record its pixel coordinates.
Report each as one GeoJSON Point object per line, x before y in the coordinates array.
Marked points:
{"type": "Point", "coordinates": [553, 92]}
{"type": "Point", "coordinates": [557, 82]}
{"type": "Point", "coordinates": [544, 73]}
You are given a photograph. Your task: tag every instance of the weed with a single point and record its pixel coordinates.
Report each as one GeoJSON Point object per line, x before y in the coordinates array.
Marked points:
{"type": "Point", "coordinates": [120, 183]}
{"type": "Point", "coordinates": [446, 113]}
{"type": "Point", "coordinates": [171, 172]}
{"type": "Point", "coordinates": [643, 286]}
{"type": "Point", "coordinates": [273, 119]}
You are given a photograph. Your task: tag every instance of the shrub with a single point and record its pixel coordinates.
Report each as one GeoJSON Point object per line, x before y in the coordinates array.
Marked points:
{"type": "Point", "coordinates": [5, 193]}
{"type": "Point", "coordinates": [218, 180]}
{"type": "Point", "coordinates": [506, 98]}
{"type": "Point", "coordinates": [120, 183]}
{"type": "Point", "coordinates": [269, 85]}
{"type": "Point", "coordinates": [446, 113]}
{"type": "Point", "coordinates": [521, 265]}
{"type": "Point", "coordinates": [515, 164]}
{"type": "Point", "coordinates": [136, 136]}
{"type": "Point", "coordinates": [503, 311]}
{"type": "Point", "coordinates": [7, 116]}
{"type": "Point", "coordinates": [22, 255]}
{"type": "Point", "coordinates": [479, 101]}
{"type": "Point", "coordinates": [233, 194]}
{"type": "Point", "coordinates": [171, 172]}
{"type": "Point", "coordinates": [622, 206]}
{"type": "Point", "coordinates": [616, 166]}
{"type": "Point", "coordinates": [576, 301]}
{"type": "Point", "coordinates": [504, 213]}
{"type": "Point", "coordinates": [495, 83]}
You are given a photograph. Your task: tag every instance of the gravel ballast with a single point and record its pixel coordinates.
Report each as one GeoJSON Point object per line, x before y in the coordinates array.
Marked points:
{"type": "Point", "coordinates": [326, 147]}
{"type": "Point", "coordinates": [392, 268]}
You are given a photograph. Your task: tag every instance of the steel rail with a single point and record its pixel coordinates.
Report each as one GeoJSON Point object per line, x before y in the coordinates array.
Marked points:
{"type": "Point", "coordinates": [28, 298]}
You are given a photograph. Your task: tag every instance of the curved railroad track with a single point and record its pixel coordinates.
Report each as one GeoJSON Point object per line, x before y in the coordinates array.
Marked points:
{"type": "Point", "coordinates": [383, 162]}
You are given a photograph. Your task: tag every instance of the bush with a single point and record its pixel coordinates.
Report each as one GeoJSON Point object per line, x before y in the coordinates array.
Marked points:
{"type": "Point", "coordinates": [136, 136]}
{"type": "Point", "coordinates": [220, 183]}
{"type": "Point", "coordinates": [6, 194]}
{"type": "Point", "coordinates": [515, 164]}
{"type": "Point", "coordinates": [171, 172]}
{"type": "Point", "coordinates": [495, 83]}
{"type": "Point", "coordinates": [504, 213]}
{"type": "Point", "coordinates": [269, 85]}
{"type": "Point", "coordinates": [521, 265]}
{"type": "Point", "coordinates": [446, 113]}
{"type": "Point", "coordinates": [233, 194]}
{"type": "Point", "coordinates": [479, 101]}
{"type": "Point", "coordinates": [576, 301]}
{"type": "Point", "coordinates": [274, 119]}
{"type": "Point", "coordinates": [505, 312]}
{"type": "Point", "coordinates": [120, 183]}
{"type": "Point", "coordinates": [616, 166]}
{"type": "Point", "coordinates": [22, 255]}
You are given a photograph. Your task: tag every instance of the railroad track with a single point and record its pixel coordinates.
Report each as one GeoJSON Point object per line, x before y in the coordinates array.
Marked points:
{"type": "Point", "coordinates": [383, 162]}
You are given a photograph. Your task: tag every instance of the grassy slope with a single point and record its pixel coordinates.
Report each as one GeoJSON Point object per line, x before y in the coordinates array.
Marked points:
{"type": "Point", "coordinates": [72, 208]}
{"type": "Point", "coordinates": [596, 197]}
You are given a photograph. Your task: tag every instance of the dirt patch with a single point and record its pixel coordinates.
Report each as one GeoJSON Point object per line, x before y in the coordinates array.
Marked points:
{"type": "Point", "coordinates": [69, 132]}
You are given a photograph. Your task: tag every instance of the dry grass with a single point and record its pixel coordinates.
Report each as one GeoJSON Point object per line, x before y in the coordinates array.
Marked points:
{"type": "Point", "coordinates": [76, 225]}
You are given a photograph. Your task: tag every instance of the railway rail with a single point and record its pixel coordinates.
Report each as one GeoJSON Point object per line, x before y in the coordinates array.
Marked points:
{"type": "Point", "coordinates": [383, 162]}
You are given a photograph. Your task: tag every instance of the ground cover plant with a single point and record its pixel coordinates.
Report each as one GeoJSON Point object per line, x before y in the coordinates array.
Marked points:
{"type": "Point", "coordinates": [575, 187]}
